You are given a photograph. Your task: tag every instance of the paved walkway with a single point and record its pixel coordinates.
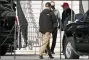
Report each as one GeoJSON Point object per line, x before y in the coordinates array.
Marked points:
{"type": "Point", "coordinates": [35, 57]}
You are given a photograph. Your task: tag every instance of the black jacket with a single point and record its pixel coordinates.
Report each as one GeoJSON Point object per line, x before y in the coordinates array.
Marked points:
{"type": "Point", "coordinates": [46, 24]}
{"type": "Point", "coordinates": [66, 16]}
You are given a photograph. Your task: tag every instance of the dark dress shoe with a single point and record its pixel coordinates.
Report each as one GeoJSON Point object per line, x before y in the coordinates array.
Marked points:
{"type": "Point", "coordinates": [50, 56]}
{"type": "Point", "coordinates": [41, 57]}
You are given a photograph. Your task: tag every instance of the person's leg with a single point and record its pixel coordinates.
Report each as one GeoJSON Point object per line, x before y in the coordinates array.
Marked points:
{"type": "Point", "coordinates": [48, 46]}
{"type": "Point", "coordinates": [54, 36]}
{"type": "Point", "coordinates": [49, 50]}
{"type": "Point", "coordinates": [63, 42]}
{"type": "Point", "coordinates": [46, 38]}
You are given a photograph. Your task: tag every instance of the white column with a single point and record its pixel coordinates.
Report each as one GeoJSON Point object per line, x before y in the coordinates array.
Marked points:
{"type": "Point", "coordinates": [85, 5]}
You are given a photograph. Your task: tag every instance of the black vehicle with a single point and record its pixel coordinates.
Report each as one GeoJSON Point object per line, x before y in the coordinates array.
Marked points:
{"type": "Point", "coordinates": [76, 38]}
{"type": "Point", "coordinates": [7, 25]}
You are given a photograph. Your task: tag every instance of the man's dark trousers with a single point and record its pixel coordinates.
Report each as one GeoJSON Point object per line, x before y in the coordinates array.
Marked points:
{"type": "Point", "coordinates": [54, 36]}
